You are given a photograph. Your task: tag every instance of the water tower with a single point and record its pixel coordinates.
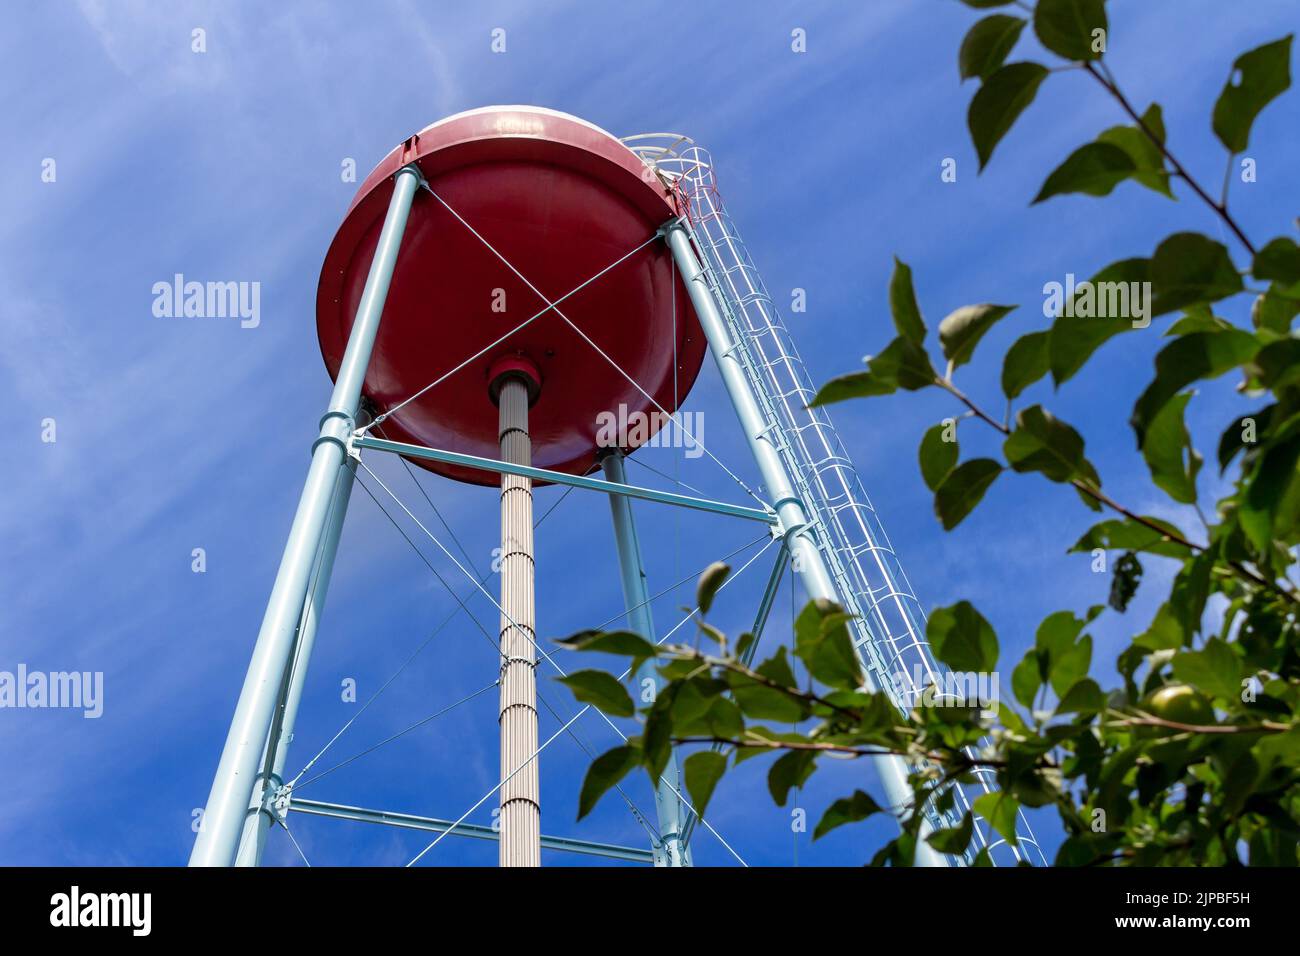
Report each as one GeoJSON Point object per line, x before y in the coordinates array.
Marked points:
{"type": "Point", "coordinates": [631, 269]}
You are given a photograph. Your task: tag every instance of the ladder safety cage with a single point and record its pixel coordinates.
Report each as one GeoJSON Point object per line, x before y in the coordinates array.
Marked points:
{"type": "Point", "coordinates": [889, 623]}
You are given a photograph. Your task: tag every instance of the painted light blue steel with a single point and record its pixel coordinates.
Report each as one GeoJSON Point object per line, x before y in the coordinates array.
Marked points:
{"type": "Point", "coordinates": [261, 810]}
{"type": "Point", "coordinates": [747, 658]}
{"type": "Point", "coordinates": [890, 621]}
{"type": "Point", "coordinates": [236, 776]}
{"type": "Point", "coordinates": [668, 805]}
{"type": "Point", "coordinates": [762, 435]}
{"type": "Point", "coordinates": [562, 478]}
{"type": "Point", "coordinates": [475, 831]}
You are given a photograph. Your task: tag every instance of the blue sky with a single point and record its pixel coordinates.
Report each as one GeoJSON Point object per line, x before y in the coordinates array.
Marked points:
{"type": "Point", "coordinates": [175, 434]}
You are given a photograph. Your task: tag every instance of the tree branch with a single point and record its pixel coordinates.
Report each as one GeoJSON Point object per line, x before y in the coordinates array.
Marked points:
{"type": "Point", "coordinates": [1263, 727]}
{"type": "Point", "coordinates": [764, 743]}
{"type": "Point", "coordinates": [1221, 208]}
{"type": "Point", "coordinates": [1096, 494]}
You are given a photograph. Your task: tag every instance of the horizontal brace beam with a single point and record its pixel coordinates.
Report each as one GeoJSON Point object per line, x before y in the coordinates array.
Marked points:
{"type": "Point", "coordinates": [409, 821]}
{"type": "Point", "coordinates": [561, 478]}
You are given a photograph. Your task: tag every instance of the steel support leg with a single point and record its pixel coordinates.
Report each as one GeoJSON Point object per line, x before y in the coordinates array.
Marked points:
{"type": "Point", "coordinates": [668, 805]}
{"type": "Point", "coordinates": [808, 560]}
{"type": "Point", "coordinates": [262, 812]}
{"type": "Point", "coordinates": [236, 776]}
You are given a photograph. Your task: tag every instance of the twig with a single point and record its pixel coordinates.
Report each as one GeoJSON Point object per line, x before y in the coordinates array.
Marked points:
{"type": "Point", "coordinates": [1096, 494]}
{"type": "Point", "coordinates": [1219, 207]}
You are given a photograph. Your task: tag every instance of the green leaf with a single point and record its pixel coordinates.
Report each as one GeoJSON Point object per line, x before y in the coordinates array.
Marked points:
{"type": "Point", "coordinates": [822, 642]}
{"type": "Point", "coordinates": [853, 385]}
{"type": "Point", "coordinates": [938, 456]}
{"type": "Point", "coordinates": [1197, 318]}
{"type": "Point", "coordinates": [1190, 591]}
{"type": "Point", "coordinates": [1165, 632]}
{"type": "Point", "coordinates": [1026, 679]}
{"type": "Point", "coordinates": [987, 44]}
{"type": "Point", "coordinates": [689, 700]}
{"type": "Point", "coordinates": [622, 643]}
{"type": "Point", "coordinates": [702, 772]}
{"type": "Point", "coordinates": [1214, 669]}
{"type": "Point", "coordinates": [1233, 439]}
{"type": "Point", "coordinates": [962, 639]}
{"type": "Point", "coordinates": [902, 304]}
{"type": "Point", "coordinates": [1025, 363]}
{"type": "Point", "coordinates": [903, 364]}
{"type": "Point", "coordinates": [1262, 74]}
{"type": "Point", "coordinates": [762, 702]}
{"type": "Point", "coordinates": [1193, 357]}
{"type": "Point", "coordinates": [1168, 451]}
{"type": "Point", "coordinates": [852, 809]}
{"type": "Point", "coordinates": [657, 735]}
{"type": "Point", "coordinates": [962, 490]}
{"type": "Point", "coordinates": [1189, 268]}
{"type": "Point", "coordinates": [953, 840]}
{"type": "Point", "coordinates": [999, 809]}
{"type": "Point", "coordinates": [1126, 534]}
{"type": "Point", "coordinates": [1057, 632]}
{"type": "Point", "coordinates": [605, 772]}
{"type": "Point", "coordinates": [1238, 771]}
{"type": "Point", "coordinates": [1266, 491]}
{"type": "Point", "coordinates": [1095, 169]}
{"type": "Point", "coordinates": [601, 690]}
{"type": "Point", "coordinates": [1276, 308]}
{"type": "Point", "coordinates": [1063, 657]}
{"type": "Point", "coordinates": [777, 669]}
{"type": "Point", "coordinates": [1070, 665]}
{"type": "Point", "coordinates": [696, 707]}
{"type": "Point", "coordinates": [1041, 442]}
{"type": "Point", "coordinates": [1147, 158]}
{"type": "Point", "coordinates": [1085, 697]}
{"type": "Point", "coordinates": [962, 330]}
{"type": "Point", "coordinates": [1075, 336]}
{"type": "Point", "coordinates": [714, 576]}
{"type": "Point", "coordinates": [1277, 364]}
{"type": "Point", "coordinates": [791, 769]}
{"type": "Point", "coordinates": [1279, 260]}
{"type": "Point", "coordinates": [999, 102]}
{"type": "Point", "coordinates": [1066, 27]}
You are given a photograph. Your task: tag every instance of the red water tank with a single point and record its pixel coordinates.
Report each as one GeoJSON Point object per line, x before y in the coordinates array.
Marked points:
{"type": "Point", "coordinates": [560, 199]}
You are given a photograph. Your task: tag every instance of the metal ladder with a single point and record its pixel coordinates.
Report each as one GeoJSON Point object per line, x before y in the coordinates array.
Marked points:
{"type": "Point", "coordinates": [889, 627]}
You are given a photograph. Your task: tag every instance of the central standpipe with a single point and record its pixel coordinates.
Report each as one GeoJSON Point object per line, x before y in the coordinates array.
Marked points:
{"type": "Point", "coordinates": [514, 385]}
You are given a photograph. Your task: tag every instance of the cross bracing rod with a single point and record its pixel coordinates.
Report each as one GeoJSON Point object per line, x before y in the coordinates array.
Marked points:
{"type": "Point", "coordinates": [408, 821]}
{"type": "Point", "coordinates": [561, 478]}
